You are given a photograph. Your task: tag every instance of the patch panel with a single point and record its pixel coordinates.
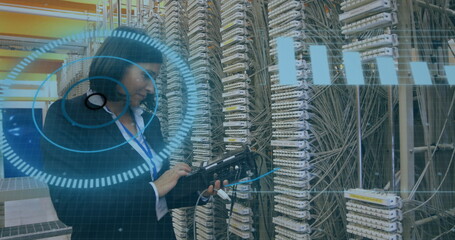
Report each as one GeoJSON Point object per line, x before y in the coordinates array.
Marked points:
{"type": "Point", "coordinates": [299, 64]}
{"type": "Point", "coordinates": [282, 19]}
{"type": "Point", "coordinates": [291, 201]}
{"type": "Point", "coordinates": [239, 209]}
{"type": "Point", "coordinates": [201, 146]}
{"type": "Point", "coordinates": [238, 31]}
{"type": "Point", "coordinates": [178, 158]}
{"type": "Point", "coordinates": [292, 25]}
{"type": "Point", "coordinates": [179, 217]}
{"type": "Point", "coordinates": [292, 192]}
{"type": "Point", "coordinates": [297, 35]}
{"type": "Point", "coordinates": [202, 211]}
{"type": "Point", "coordinates": [386, 213]}
{"type": "Point", "coordinates": [239, 225]}
{"type": "Point", "coordinates": [301, 115]}
{"type": "Point", "coordinates": [233, 147]}
{"type": "Point", "coordinates": [196, 30]}
{"type": "Point", "coordinates": [237, 132]}
{"type": "Point", "coordinates": [180, 228]}
{"type": "Point", "coordinates": [228, 3]}
{"type": "Point", "coordinates": [302, 184]}
{"type": "Point", "coordinates": [239, 67]}
{"type": "Point", "coordinates": [233, 17]}
{"type": "Point", "coordinates": [373, 42]}
{"type": "Point", "coordinates": [244, 124]}
{"type": "Point", "coordinates": [198, 44]}
{"type": "Point", "coordinates": [198, 50]}
{"type": "Point", "coordinates": [294, 105]}
{"type": "Point", "coordinates": [386, 226]}
{"type": "Point", "coordinates": [236, 8]}
{"type": "Point", "coordinates": [276, 86]}
{"type": "Point", "coordinates": [196, 24]}
{"type": "Point", "coordinates": [196, 3]}
{"type": "Point", "coordinates": [235, 85]}
{"type": "Point", "coordinates": [290, 95]}
{"type": "Point", "coordinates": [197, 37]}
{"type": "Point", "coordinates": [233, 40]}
{"type": "Point", "coordinates": [292, 224]}
{"type": "Point", "coordinates": [204, 86]}
{"type": "Point", "coordinates": [202, 125]}
{"type": "Point", "coordinates": [204, 222]}
{"type": "Point", "coordinates": [351, 4]}
{"type": "Point", "coordinates": [234, 58]}
{"type": "Point", "coordinates": [202, 233]}
{"type": "Point", "coordinates": [292, 234]}
{"type": "Point", "coordinates": [240, 195]}
{"type": "Point", "coordinates": [301, 174]}
{"type": "Point", "coordinates": [242, 218]}
{"type": "Point", "coordinates": [206, 230]}
{"type": "Point", "coordinates": [371, 8]}
{"type": "Point", "coordinates": [294, 144]}
{"type": "Point", "coordinates": [239, 48]}
{"type": "Point", "coordinates": [203, 106]}
{"type": "Point", "coordinates": [203, 152]}
{"type": "Point", "coordinates": [202, 132]}
{"type": "Point", "coordinates": [236, 101]}
{"type": "Point", "coordinates": [174, 86]}
{"type": "Point", "coordinates": [244, 235]}
{"type": "Point", "coordinates": [172, 23]}
{"type": "Point", "coordinates": [292, 163]}
{"type": "Point", "coordinates": [235, 93]}
{"type": "Point", "coordinates": [376, 21]}
{"type": "Point", "coordinates": [291, 5]}
{"type": "Point", "coordinates": [384, 199]}
{"type": "Point", "coordinates": [198, 16]}
{"type": "Point", "coordinates": [276, 3]}
{"type": "Point", "coordinates": [173, 93]}
{"type": "Point", "coordinates": [235, 108]}
{"type": "Point", "coordinates": [291, 124]}
{"type": "Point", "coordinates": [173, 32]}
{"type": "Point", "coordinates": [235, 77]}
{"type": "Point", "coordinates": [200, 70]}
{"type": "Point", "coordinates": [238, 116]}
{"type": "Point", "coordinates": [289, 134]}
{"type": "Point", "coordinates": [234, 24]}
{"type": "Point", "coordinates": [385, 51]}
{"type": "Point", "coordinates": [202, 158]}
{"type": "Point", "coordinates": [200, 139]}
{"type": "Point", "coordinates": [236, 140]}
{"type": "Point", "coordinates": [371, 233]}
{"type": "Point", "coordinates": [294, 212]}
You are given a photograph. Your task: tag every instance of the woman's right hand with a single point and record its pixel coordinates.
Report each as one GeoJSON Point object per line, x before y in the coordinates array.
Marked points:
{"type": "Point", "coordinates": [169, 179]}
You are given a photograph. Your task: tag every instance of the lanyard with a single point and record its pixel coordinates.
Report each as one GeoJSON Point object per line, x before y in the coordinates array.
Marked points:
{"type": "Point", "coordinates": [144, 148]}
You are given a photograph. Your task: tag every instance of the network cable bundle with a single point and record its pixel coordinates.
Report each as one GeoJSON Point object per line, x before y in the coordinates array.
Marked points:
{"type": "Point", "coordinates": [376, 17]}
{"type": "Point", "coordinates": [290, 126]}
{"type": "Point", "coordinates": [175, 28]}
{"type": "Point", "coordinates": [374, 215]}
{"type": "Point", "coordinates": [204, 23]}
{"type": "Point", "coordinates": [236, 59]}
{"type": "Point", "coordinates": [154, 27]}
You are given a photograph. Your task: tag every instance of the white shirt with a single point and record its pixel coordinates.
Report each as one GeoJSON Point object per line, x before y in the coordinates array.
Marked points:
{"type": "Point", "coordinates": [161, 205]}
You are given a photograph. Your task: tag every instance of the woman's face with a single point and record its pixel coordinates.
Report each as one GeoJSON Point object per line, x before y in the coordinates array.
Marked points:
{"type": "Point", "coordinates": [138, 83]}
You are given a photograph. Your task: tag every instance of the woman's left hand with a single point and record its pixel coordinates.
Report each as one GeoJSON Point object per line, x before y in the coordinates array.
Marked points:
{"type": "Point", "coordinates": [210, 190]}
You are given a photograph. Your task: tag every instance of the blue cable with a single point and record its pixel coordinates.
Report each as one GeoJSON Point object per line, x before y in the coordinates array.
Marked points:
{"type": "Point", "coordinates": [252, 180]}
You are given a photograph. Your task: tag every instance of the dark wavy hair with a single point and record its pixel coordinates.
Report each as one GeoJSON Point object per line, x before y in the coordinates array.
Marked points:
{"type": "Point", "coordinates": [133, 50]}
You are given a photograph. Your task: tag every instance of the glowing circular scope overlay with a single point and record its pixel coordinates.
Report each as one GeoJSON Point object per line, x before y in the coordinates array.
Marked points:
{"type": "Point", "coordinates": [127, 174]}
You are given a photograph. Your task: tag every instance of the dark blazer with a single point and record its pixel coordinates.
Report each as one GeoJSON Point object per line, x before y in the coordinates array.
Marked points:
{"type": "Point", "coordinates": [122, 211]}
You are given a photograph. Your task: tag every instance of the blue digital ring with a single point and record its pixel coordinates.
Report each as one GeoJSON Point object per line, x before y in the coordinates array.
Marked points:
{"type": "Point", "coordinates": [74, 123]}
{"type": "Point", "coordinates": [103, 181]}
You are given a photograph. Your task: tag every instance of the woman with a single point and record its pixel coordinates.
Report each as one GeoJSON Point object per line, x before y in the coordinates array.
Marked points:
{"type": "Point", "coordinates": [132, 209]}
